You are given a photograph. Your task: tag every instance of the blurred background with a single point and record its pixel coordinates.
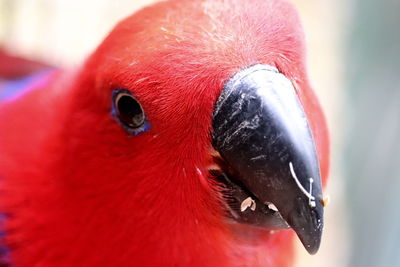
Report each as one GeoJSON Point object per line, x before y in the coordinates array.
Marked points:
{"type": "Point", "coordinates": [354, 63]}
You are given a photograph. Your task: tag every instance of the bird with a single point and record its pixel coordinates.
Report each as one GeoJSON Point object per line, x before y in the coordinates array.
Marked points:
{"type": "Point", "coordinates": [190, 137]}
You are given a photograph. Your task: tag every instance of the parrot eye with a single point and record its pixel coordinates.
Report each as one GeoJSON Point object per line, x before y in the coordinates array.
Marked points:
{"type": "Point", "coordinates": [128, 111]}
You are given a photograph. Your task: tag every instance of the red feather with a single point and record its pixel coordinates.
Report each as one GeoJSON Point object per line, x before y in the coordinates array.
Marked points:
{"type": "Point", "coordinates": [13, 67]}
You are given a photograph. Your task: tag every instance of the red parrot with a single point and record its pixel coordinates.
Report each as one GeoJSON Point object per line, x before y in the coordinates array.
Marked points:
{"type": "Point", "coordinates": [190, 137]}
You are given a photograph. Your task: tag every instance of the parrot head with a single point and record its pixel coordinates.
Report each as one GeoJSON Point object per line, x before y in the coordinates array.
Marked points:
{"type": "Point", "coordinates": [192, 138]}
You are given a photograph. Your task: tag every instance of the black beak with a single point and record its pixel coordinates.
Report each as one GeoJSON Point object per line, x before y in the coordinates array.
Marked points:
{"type": "Point", "coordinates": [262, 134]}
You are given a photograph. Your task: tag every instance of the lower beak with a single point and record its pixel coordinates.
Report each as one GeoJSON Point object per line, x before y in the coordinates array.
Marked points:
{"type": "Point", "coordinates": [262, 134]}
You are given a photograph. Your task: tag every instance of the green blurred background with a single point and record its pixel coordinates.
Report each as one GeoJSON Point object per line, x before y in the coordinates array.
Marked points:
{"type": "Point", "coordinates": [371, 153]}
{"type": "Point", "coordinates": [354, 63]}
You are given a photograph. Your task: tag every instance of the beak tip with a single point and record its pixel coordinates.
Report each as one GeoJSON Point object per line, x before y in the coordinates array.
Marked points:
{"type": "Point", "coordinates": [309, 231]}
{"type": "Point", "coordinates": [313, 248]}
{"type": "Point", "coordinates": [311, 240]}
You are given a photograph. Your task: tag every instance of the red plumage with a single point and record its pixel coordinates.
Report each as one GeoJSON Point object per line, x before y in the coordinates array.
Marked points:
{"type": "Point", "coordinates": [80, 192]}
{"type": "Point", "coordinates": [13, 67]}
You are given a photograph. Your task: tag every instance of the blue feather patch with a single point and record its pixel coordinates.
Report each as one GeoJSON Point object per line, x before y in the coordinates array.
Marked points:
{"type": "Point", "coordinates": [14, 88]}
{"type": "Point", "coordinates": [4, 250]}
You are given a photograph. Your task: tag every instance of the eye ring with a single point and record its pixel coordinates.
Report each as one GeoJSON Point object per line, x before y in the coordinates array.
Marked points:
{"type": "Point", "coordinates": [128, 111]}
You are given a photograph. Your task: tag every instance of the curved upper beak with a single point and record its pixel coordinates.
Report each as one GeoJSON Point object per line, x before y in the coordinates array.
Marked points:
{"type": "Point", "coordinates": [261, 131]}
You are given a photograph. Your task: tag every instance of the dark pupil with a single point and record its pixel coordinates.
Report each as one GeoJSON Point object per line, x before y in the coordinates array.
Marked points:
{"type": "Point", "coordinates": [130, 112]}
